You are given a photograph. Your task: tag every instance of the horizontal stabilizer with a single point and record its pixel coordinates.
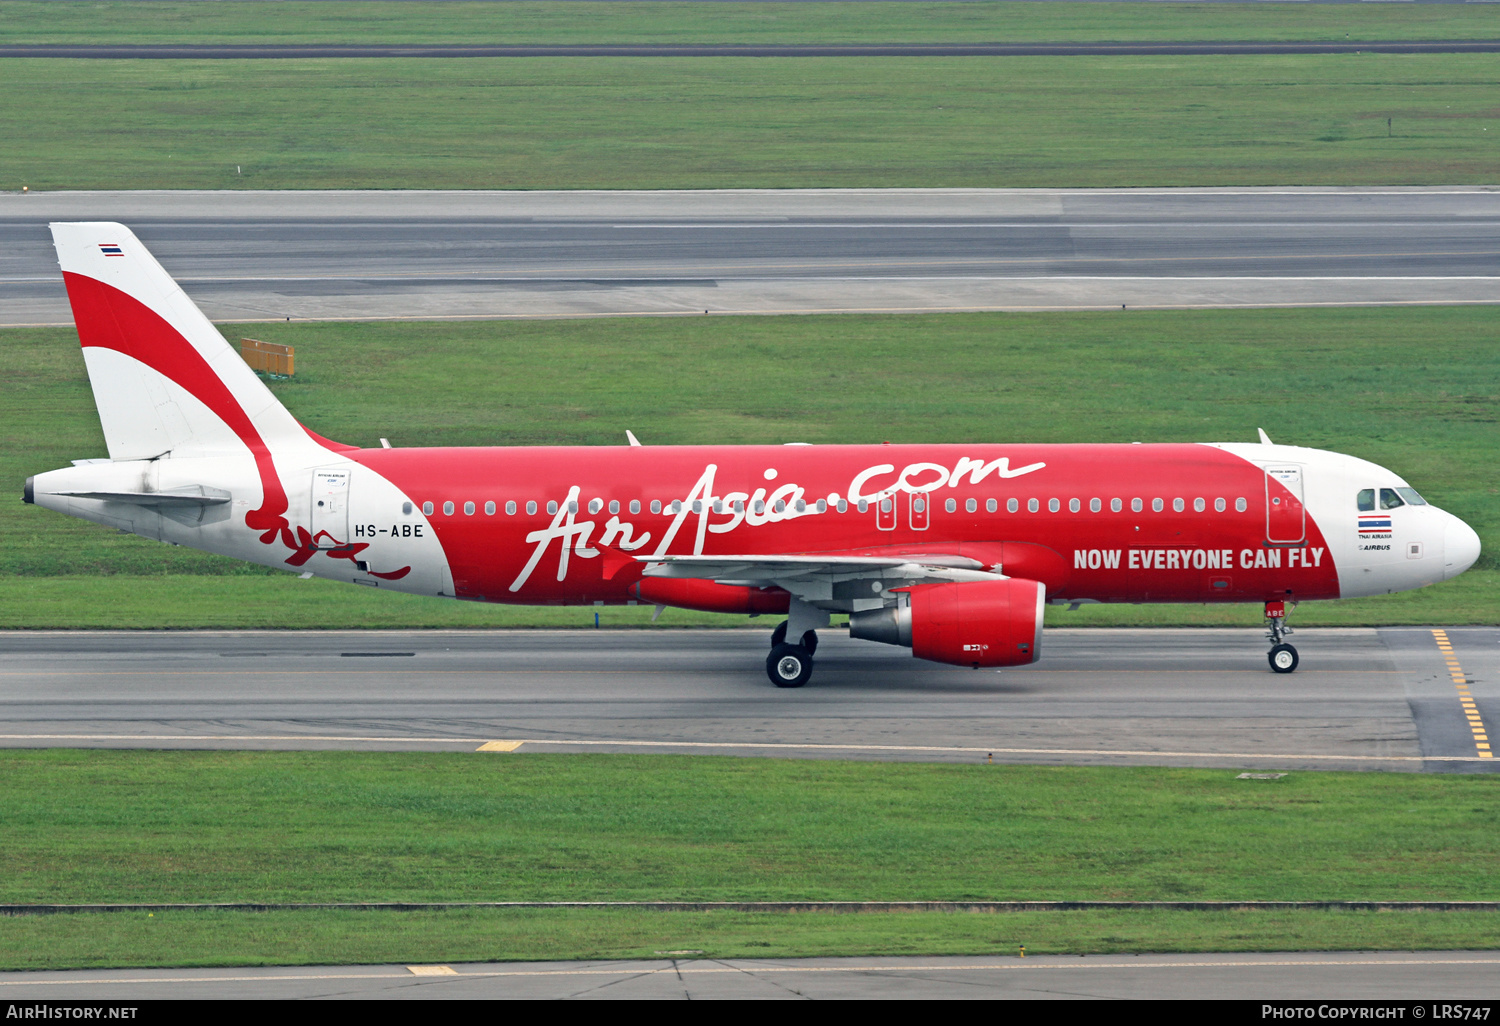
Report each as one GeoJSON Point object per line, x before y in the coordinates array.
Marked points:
{"type": "Point", "coordinates": [157, 499]}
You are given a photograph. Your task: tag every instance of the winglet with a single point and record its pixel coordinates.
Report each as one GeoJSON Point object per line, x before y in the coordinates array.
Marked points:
{"type": "Point", "coordinates": [1265, 439]}
{"type": "Point", "coordinates": [630, 435]}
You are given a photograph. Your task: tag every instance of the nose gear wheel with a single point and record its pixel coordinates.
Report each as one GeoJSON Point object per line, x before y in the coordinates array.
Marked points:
{"type": "Point", "coordinates": [1282, 657]}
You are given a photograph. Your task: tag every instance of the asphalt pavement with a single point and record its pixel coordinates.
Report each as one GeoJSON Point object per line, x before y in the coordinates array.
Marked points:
{"type": "Point", "coordinates": [247, 256]}
{"type": "Point", "coordinates": [1365, 699]}
{"type": "Point", "coordinates": [1277, 978]}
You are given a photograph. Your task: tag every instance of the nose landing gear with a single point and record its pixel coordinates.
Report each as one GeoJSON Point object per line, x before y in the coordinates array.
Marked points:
{"type": "Point", "coordinates": [790, 666]}
{"type": "Point", "coordinates": [1282, 657]}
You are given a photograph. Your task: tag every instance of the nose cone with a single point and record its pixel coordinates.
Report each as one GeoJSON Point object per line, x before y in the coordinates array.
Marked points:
{"type": "Point", "coordinates": [1460, 546]}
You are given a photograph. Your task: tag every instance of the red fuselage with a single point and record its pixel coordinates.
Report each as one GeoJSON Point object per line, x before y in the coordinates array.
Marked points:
{"type": "Point", "coordinates": [1113, 523]}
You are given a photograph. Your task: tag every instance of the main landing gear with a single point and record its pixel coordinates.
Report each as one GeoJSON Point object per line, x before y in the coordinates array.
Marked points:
{"type": "Point", "coordinates": [1282, 657]}
{"type": "Point", "coordinates": [790, 666]}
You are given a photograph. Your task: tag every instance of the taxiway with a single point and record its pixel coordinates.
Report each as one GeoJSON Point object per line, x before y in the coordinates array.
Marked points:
{"type": "Point", "coordinates": [1363, 698]}
{"type": "Point", "coordinates": [247, 256]}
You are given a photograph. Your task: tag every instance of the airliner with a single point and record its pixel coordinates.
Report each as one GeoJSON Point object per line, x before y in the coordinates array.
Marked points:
{"type": "Point", "coordinates": [952, 551]}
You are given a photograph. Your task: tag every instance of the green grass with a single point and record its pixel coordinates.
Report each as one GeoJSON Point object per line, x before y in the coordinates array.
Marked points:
{"type": "Point", "coordinates": [1414, 389]}
{"type": "Point", "coordinates": [194, 601]}
{"type": "Point", "coordinates": [43, 21]}
{"type": "Point", "coordinates": [613, 123]}
{"type": "Point", "coordinates": [303, 826]}
{"type": "Point", "coordinates": [334, 938]}
{"type": "Point", "coordinates": [98, 826]}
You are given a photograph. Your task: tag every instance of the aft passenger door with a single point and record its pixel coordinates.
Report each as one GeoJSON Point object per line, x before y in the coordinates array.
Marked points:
{"type": "Point", "coordinates": [330, 508]}
{"type": "Point", "coordinates": [1285, 514]}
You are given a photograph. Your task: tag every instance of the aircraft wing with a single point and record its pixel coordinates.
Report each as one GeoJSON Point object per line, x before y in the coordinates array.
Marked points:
{"type": "Point", "coordinates": [832, 579]}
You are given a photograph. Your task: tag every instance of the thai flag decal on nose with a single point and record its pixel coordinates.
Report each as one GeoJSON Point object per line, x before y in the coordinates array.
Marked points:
{"type": "Point", "coordinates": [1375, 525]}
{"type": "Point", "coordinates": [111, 249]}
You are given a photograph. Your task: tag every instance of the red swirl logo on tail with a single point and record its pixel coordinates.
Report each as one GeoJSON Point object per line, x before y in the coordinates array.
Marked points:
{"type": "Point", "coordinates": [108, 318]}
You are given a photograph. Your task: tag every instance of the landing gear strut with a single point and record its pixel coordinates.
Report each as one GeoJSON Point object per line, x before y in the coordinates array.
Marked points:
{"type": "Point", "coordinates": [1282, 657]}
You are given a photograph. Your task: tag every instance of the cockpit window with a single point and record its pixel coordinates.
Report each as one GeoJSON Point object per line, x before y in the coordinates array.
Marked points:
{"type": "Point", "coordinates": [1367, 500]}
{"type": "Point", "coordinates": [1389, 499]}
{"type": "Point", "coordinates": [1411, 496]}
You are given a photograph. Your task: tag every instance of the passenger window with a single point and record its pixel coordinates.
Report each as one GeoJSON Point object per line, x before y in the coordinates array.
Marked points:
{"type": "Point", "coordinates": [1114, 505]}
{"type": "Point", "coordinates": [595, 505]}
{"type": "Point", "coordinates": [1156, 505]}
{"type": "Point", "coordinates": [448, 508]}
{"type": "Point", "coordinates": [531, 508]}
{"type": "Point", "coordinates": [1389, 499]}
{"type": "Point", "coordinates": [406, 508]}
{"type": "Point", "coordinates": [760, 506]}
{"type": "Point", "coordinates": [1032, 505]}
{"type": "Point", "coordinates": [779, 506]}
{"type": "Point", "coordinates": [572, 505]}
{"type": "Point", "coordinates": [614, 506]}
{"type": "Point", "coordinates": [1073, 506]}
{"type": "Point", "coordinates": [427, 509]}
{"type": "Point", "coordinates": [656, 505]}
{"type": "Point", "coordinates": [489, 508]}
{"type": "Point", "coordinates": [990, 505]}
{"type": "Point", "coordinates": [1367, 500]}
{"type": "Point", "coordinates": [1218, 505]}
{"type": "Point", "coordinates": [468, 509]}
{"type": "Point", "coordinates": [1176, 505]}
{"type": "Point", "coordinates": [1199, 505]}
{"type": "Point", "coordinates": [635, 505]}
{"type": "Point", "coordinates": [697, 505]}
{"type": "Point", "coordinates": [1135, 505]}
{"type": "Point", "coordinates": [552, 507]}
{"type": "Point", "coordinates": [885, 505]}
{"type": "Point", "coordinates": [676, 506]}
{"type": "Point", "coordinates": [1411, 496]}
{"type": "Point", "coordinates": [822, 505]}
{"type": "Point", "coordinates": [1011, 505]}
{"type": "Point", "coordinates": [1240, 505]}
{"type": "Point", "coordinates": [739, 505]}
{"type": "Point", "coordinates": [1094, 506]}
{"type": "Point", "coordinates": [843, 506]}
{"type": "Point", "coordinates": [864, 506]}
{"type": "Point", "coordinates": [1053, 505]}
{"type": "Point", "coordinates": [510, 508]}
{"type": "Point", "coordinates": [970, 505]}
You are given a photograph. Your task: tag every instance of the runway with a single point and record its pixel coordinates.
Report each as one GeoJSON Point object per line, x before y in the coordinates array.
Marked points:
{"type": "Point", "coordinates": [1398, 977]}
{"type": "Point", "coordinates": [247, 256]}
{"type": "Point", "coordinates": [1363, 699]}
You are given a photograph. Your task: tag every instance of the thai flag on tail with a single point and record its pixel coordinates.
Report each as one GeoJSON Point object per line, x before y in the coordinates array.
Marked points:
{"type": "Point", "coordinates": [1375, 524]}
{"type": "Point", "coordinates": [111, 249]}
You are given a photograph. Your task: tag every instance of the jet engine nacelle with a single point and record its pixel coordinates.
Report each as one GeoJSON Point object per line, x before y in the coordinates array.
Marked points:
{"type": "Point", "coordinates": [976, 623]}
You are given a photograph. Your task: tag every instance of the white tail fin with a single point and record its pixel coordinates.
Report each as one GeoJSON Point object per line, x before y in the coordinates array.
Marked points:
{"type": "Point", "coordinates": [164, 379]}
